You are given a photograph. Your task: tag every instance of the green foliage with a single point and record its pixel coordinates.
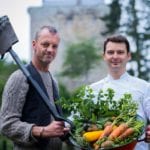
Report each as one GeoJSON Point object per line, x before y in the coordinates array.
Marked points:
{"type": "Point", "coordinates": [80, 58]}
{"type": "Point", "coordinates": [88, 107]}
{"type": "Point", "coordinates": [112, 20]}
{"type": "Point", "coordinates": [5, 70]}
{"type": "Point", "coordinates": [63, 91]}
{"type": "Point", "coordinates": [65, 94]}
{"type": "Point", "coordinates": [5, 144]}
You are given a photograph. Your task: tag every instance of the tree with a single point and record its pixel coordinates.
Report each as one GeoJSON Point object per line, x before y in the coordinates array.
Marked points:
{"type": "Point", "coordinates": [112, 20]}
{"type": "Point", "coordinates": [136, 26]}
{"type": "Point", "coordinates": [132, 20]}
{"type": "Point", "coordinates": [80, 58]}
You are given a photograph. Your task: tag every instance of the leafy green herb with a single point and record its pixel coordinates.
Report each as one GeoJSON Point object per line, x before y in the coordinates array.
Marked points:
{"type": "Point", "coordinates": [86, 106]}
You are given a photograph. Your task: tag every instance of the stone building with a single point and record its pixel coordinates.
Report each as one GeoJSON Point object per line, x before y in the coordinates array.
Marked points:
{"type": "Point", "coordinates": [75, 20]}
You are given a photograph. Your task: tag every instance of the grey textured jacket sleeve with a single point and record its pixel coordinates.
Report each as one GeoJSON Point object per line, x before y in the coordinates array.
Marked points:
{"type": "Point", "coordinates": [13, 100]}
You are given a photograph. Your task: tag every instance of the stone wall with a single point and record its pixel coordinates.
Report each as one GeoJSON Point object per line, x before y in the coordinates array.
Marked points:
{"type": "Point", "coordinates": [74, 23]}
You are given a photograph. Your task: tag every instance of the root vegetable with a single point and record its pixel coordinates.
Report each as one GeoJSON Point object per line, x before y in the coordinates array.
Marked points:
{"type": "Point", "coordinates": [108, 129]}
{"type": "Point", "coordinates": [118, 131]}
{"type": "Point", "coordinates": [93, 127]}
{"type": "Point", "coordinates": [126, 133]}
{"type": "Point", "coordinates": [107, 144]}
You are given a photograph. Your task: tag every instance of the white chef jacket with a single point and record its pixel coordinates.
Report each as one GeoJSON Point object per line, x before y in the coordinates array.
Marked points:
{"type": "Point", "coordinates": [128, 84]}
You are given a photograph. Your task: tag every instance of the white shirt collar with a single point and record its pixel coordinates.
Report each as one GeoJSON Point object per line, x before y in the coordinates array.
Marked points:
{"type": "Point", "coordinates": [122, 77]}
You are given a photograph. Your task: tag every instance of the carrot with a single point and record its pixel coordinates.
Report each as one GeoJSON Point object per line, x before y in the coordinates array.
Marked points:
{"type": "Point", "coordinates": [114, 127]}
{"type": "Point", "coordinates": [118, 131]}
{"type": "Point", "coordinates": [107, 130]}
{"type": "Point", "coordinates": [136, 128]}
{"type": "Point", "coordinates": [127, 133]}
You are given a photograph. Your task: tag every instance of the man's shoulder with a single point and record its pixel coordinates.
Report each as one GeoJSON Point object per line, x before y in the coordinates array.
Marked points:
{"type": "Point", "coordinates": [17, 75]}
{"type": "Point", "coordinates": [138, 82]}
{"type": "Point", "coordinates": [98, 84]}
{"type": "Point", "coordinates": [16, 81]}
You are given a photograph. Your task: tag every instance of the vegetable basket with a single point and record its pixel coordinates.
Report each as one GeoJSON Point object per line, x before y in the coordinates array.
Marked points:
{"type": "Point", "coordinates": [127, 146]}
{"type": "Point", "coordinates": [102, 122]}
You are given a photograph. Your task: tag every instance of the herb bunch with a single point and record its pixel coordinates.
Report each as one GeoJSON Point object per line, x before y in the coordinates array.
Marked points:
{"type": "Point", "coordinates": [86, 106]}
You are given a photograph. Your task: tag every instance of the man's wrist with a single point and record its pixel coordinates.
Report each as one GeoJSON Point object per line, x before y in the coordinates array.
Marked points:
{"type": "Point", "coordinates": [38, 131]}
{"type": "Point", "coordinates": [41, 132]}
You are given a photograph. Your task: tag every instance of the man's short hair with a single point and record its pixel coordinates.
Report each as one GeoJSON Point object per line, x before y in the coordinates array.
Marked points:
{"type": "Point", "coordinates": [51, 29]}
{"type": "Point", "coordinates": [117, 39]}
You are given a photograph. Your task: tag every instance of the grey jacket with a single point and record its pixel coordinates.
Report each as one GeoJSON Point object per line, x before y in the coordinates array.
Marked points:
{"type": "Point", "coordinates": [13, 100]}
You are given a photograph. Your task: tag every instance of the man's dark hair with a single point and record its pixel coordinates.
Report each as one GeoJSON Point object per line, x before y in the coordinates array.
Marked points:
{"type": "Point", "coordinates": [117, 39]}
{"type": "Point", "coordinates": [51, 29]}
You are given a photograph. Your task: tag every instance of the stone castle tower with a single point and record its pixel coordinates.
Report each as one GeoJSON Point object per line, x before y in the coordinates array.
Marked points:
{"type": "Point", "coordinates": [75, 20]}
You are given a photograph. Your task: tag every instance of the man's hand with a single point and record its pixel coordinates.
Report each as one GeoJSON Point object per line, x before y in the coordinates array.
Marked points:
{"type": "Point", "coordinates": [55, 129]}
{"type": "Point", "coordinates": [147, 136]}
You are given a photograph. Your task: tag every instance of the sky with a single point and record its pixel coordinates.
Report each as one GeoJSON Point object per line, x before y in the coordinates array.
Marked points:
{"type": "Point", "coordinates": [16, 10]}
